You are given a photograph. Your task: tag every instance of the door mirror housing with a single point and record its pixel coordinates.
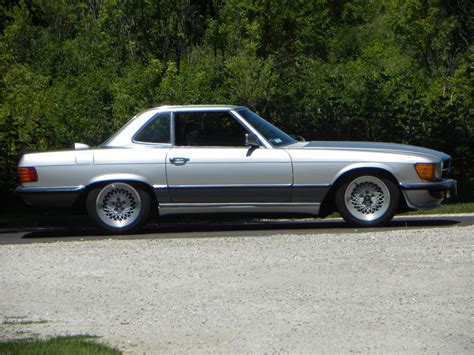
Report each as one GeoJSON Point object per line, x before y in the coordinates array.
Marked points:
{"type": "Point", "coordinates": [251, 140]}
{"type": "Point", "coordinates": [298, 138]}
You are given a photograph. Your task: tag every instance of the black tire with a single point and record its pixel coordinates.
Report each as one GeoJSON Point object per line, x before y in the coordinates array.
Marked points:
{"type": "Point", "coordinates": [118, 207]}
{"type": "Point", "coordinates": [367, 200]}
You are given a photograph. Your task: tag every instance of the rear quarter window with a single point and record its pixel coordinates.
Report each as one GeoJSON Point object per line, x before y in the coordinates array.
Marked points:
{"type": "Point", "coordinates": [157, 130]}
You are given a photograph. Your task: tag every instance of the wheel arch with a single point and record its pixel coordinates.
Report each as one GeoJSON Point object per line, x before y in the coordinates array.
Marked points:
{"type": "Point", "coordinates": [81, 200]}
{"type": "Point", "coordinates": [328, 204]}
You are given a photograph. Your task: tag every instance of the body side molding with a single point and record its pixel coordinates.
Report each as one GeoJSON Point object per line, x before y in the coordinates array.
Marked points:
{"type": "Point", "coordinates": [254, 207]}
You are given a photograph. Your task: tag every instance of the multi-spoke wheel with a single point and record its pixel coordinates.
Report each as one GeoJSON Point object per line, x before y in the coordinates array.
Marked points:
{"type": "Point", "coordinates": [367, 200]}
{"type": "Point", "coordinates": [118, 207]}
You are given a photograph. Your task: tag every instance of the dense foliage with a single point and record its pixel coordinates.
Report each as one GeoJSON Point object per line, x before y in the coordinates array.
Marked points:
{"type": "Point", "coordinates": [386, 70]}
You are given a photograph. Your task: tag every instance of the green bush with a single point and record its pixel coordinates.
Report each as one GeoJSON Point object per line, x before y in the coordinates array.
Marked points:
{"type": "Point", "coordinates": [398, 71]}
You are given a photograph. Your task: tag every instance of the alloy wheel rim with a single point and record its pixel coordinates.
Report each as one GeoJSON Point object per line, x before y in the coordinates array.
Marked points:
{"type": "Point", "coordinates": [118, 205]}
{"type": "Point", "coordinates": [367, 198]}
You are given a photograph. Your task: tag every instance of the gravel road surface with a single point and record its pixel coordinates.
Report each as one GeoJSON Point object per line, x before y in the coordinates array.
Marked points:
{"type": "Point", "coordinates": [406, 290]}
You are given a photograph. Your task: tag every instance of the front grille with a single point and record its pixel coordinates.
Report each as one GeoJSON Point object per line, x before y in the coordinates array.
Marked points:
{"type": "Point", "coordinates": [446, 168]}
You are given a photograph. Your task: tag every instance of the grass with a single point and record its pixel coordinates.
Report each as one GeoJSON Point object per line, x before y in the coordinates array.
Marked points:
{"type": "Point", "coordinates": [69, 345]}
{"type": "Point", "coordinates": [452, 208]}
{"type": "Point", "coordinates": [466, 207]}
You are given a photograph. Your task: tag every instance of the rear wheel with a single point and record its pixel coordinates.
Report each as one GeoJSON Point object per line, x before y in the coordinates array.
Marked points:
{"type": "Point", "coordinates": [118, 207]}
{"type": "Point", "coordinates": [367, 200]}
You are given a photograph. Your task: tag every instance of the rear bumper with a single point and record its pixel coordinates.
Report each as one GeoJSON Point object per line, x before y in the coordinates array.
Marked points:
{"type": "Point", "coordinates": [62, 196]}
{"type": "Point", "coordinates": [430, 194]}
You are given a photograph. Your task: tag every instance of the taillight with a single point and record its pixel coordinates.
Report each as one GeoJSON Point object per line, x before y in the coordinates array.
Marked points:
{"type": "Point", "coordinates": [27, 174]}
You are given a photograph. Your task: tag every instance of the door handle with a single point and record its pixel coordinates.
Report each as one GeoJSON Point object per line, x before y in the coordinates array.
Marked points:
{"type": "Point", "coordinates": [179, 161]}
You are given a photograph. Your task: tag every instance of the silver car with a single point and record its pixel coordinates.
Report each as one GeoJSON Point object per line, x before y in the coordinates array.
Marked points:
{"type": "Point", "coordinates": [220, 159]}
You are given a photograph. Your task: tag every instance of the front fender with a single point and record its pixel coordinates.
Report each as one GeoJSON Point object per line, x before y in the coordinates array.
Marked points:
{"type": "Point", "coordinates": [357, 166]}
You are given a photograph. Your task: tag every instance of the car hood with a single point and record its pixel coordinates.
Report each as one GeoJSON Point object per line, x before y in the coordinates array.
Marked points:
{"type": "Point", "coordinates": [370, 146]}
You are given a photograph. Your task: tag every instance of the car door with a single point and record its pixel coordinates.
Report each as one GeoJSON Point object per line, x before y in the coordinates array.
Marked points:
{"type": "Point", "coordinates": [209, 163]}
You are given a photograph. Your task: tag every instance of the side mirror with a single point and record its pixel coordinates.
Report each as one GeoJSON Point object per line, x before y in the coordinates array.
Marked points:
{"type": "Point", "coordinates": [251, 140]}
{"type": "Point", "coordinates": [298, 138]}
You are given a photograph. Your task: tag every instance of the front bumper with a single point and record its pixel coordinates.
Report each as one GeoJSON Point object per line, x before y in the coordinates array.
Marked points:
{"type": "Point", "coordinates": [428, 195]}
{"type": "Point", "coordinates": [62, 196]}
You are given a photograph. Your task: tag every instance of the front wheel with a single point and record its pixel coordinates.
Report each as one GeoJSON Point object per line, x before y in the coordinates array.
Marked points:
{"type": "Point", "coordinates": [367, 200]}
{"type": "Point", "coordinates": [118, 207]}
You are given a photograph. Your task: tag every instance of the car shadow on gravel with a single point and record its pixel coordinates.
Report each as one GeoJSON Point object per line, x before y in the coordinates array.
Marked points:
{"type": "Point", "coordinates": [170, 229]}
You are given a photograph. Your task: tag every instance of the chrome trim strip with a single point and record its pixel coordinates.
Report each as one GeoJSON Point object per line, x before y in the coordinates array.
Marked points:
{"type": "Point", "coordinates": [172, 128]}
{"type": "Point", "coordinates": [160, 186]}
{"type": "Point", "coordinates": [34, 189]}
{"type": "Point", "coordinates": [312, 185]}
{"type": "Point", "coordinates": [239, 185]}
{"type": "Point", "coordinates": [240, 204]}
{"type": "Point", "coordinates": [199, 108]}
{"type": "Point", "coordinates": [445, 184]}
{"type": "Point", "coordinates": [154, 145]}
{"type": "Point", "coordinates": [226, 186]}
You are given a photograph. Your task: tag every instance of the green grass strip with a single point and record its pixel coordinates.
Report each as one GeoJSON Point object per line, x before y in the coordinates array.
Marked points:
{"type": "Point", "coordinates": [69, 345]}
{"type": "Point", "coordinates": [453, 208]}
{"type": "Point", "coordinates": [467, 207]}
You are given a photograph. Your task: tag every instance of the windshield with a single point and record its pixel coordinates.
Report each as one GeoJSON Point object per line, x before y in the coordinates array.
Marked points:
{"type": "Point", "coordinates": [274, 135]}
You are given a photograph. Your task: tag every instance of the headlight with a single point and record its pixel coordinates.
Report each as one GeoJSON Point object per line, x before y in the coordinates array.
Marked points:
{"type": "Point", "coordinates": [426, 171]}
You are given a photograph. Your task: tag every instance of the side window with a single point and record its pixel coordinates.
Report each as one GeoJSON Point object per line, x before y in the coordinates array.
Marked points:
{"type": "Point", "coordinates": [155, 131]}
{"type": "Point", "coordinates": [208, 129]}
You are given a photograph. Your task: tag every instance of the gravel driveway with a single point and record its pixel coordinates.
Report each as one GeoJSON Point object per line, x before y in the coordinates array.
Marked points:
{"type": "Point", "coordinates": [399, 291]}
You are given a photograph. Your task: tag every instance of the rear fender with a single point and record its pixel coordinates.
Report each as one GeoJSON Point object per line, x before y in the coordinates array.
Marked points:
{"type": "Point", "coordinates": [118, 177]}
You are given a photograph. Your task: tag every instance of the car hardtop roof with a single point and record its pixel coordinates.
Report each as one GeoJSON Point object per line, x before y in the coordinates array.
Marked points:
{"type": "Point", "coordinates": [198, 107]}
